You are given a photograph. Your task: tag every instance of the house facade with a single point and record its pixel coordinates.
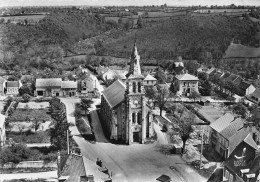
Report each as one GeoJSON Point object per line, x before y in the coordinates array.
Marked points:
{"type": "Point", "coordinates": [124, 111]}
{"type": "Point", "coordinates": [228, 131]}
{"type": "Point", "coordinates": [149, 80]}
{"type": "Point", "coordinates": [55, 87]}
{"type": "Point", "coordinates": [48, 87]}
{"type": "Point", "coordinates": [87, 84]}
{"type": "Point", "coordinates": [12, 87]}
{"type": "Point", "coordinates": [186, 84]}
{"type": "Point", "coordinates": [69, 88]}
{"type": "Point", "coordinates": [242, 165]}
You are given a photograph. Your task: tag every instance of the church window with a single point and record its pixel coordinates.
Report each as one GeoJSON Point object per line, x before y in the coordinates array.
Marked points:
{"type": "Point", "coordinates": [134, 87]}
{"type": "Point", "coordinates": [139, 118]}
{"type": "Point", "coordinates": [139, 86]}
{"type": "Point", "coordinates": [133, 118]}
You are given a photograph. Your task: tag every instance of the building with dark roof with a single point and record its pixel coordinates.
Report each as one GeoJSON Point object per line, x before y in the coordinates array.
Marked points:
{"type": "Point", "coordinates": [79, 168]}
{"type": "Point", "coordinates": [124, 111]}
{"type": "Point", "coordinates": [48, 87]}
{"type": "Point", "coordinates": [228, 131]}
{"type": "Point", "coordinates": [243, 163]}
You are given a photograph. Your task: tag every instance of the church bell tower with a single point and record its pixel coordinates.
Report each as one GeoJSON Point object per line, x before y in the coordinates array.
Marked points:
{"type": "Point", "coordinates": [135, 103]}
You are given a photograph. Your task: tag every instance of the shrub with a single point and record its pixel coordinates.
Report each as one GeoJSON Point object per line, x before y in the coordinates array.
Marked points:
{"type": "Point", "coordinates": [26, 97]}
{"type": "Point", "coordinates": [15, 153]}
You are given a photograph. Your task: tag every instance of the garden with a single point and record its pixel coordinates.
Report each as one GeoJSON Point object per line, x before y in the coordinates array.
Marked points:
{"type": "Point", "coordinates": [28, 123]}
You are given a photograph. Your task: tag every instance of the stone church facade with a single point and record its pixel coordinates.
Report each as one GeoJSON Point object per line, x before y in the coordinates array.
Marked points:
{"type": "Point", "coordinates": [125, 113]}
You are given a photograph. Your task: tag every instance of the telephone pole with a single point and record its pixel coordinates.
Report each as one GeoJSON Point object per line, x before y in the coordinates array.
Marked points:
{"type": "Point", "coordinates": [201, 149]}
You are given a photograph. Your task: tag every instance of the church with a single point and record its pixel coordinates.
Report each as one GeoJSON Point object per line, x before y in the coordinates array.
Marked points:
{"type": "Point", "coordinates": [125, 114]}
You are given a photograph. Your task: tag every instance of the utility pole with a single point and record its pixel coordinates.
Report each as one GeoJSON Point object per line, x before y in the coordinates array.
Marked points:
{"type": "Point", "coordinates": [201, 150]}
{"type": "Point", "coordinates": [68, 142]}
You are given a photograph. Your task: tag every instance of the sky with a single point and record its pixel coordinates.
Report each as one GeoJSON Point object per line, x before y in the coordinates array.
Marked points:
{"type": "Point", "coordinates": [4, 3]}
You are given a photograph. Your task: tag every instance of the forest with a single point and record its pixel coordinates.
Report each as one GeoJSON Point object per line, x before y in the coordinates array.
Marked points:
{"type": "Point", "coordinates": [199, 37]}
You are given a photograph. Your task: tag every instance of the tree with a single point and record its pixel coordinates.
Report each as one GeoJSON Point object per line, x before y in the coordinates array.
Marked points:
{"type": "Point", "coordinates": [161, 96]}
{"type": "Point", "coordinates": [85, 104]}
{"type": "Point", "coordinates": [194, 95]}
{"type": "Point", "coordinates": [24, 90]}
{"type": "Point", "coordinates": [240, 110]}
{"type": "Point", "coordinates": [173, 88]}
{"type": "Point", "coordinates": [26, 97]}
{"type": "Point", "coordinates": [140, 23]}
{"type": "Point", "coordinates": [185, 128]}
{"type": "Point", "coordinates": [205, 88]}
{"type": "Point", "coordinates": [36, 124]}
{"type": "Point", "coordinates": [77, 113]}
{"type": "Point", "coordinates": [14, 153]}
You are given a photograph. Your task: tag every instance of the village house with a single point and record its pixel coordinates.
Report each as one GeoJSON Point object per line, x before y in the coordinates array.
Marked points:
{"type": "Point", "coordinates": [124, 110]}
{"type": "Point", "coordinates": [69, 88]}
{"type": "Point", "coordinates": [48, 87]}
{"type": "Point", "coordinates": [87, 84]}
{"type": "Point", "coordinates": [228, 131]}
{"type": "Point", "coordinates": [51, 87]}
{"type": "Point", "coordinates": [186, 84]}
{"type": "Point", "coordinates": [253, 98]}
{"type": "Point", "coordinates": [243, 163]}
{"type": "Point", "coordinates": [2, 130]}
{"type": "Point", "coordinates": [149, 80]}
{"type": "Point", "coordinates": [12, 87]}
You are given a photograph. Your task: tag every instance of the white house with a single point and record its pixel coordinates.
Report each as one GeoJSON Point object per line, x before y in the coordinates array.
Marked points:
{"type": "Point", "coordinates": [12, 87]}
{"type": "Point", "coordinates": [186, 84]}
{"type": "Point", "coordinates": [149, 80]}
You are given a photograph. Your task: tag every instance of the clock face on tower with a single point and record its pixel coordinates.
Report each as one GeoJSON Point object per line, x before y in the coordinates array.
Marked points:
{"type": "Point", "coordinates": [136, 102]}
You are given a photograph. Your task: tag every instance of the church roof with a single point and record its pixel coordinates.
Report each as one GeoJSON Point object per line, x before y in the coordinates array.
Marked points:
{"type": "Point", "coordinates": [134, 68]}
{"type": "Point", "coordinates": [115, 93]}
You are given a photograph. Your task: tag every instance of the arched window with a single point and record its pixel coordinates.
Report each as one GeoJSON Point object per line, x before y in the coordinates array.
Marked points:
{"type": "Point", "coordinates": [139, 118]}
{"type": "Point", "coordinates": [133, 118]}
{"type": "Point", "coordinates": [139, 86]}
{"type": "Point", "coordinates": [134, 87]}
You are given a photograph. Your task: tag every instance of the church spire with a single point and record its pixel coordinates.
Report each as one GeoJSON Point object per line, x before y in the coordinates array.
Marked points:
{"type": "Point", "coordinates": [135, 68]}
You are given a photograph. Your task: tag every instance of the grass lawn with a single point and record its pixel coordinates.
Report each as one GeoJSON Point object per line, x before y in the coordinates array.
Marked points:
{"type": "Point", "coordinates": [29, 137]}
{"type": "Point", "coordinates": [26, 114]}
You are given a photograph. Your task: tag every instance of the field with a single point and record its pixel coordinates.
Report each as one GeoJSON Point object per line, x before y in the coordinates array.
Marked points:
{"type": "Point", "coordinates": [241, 51]}
{"type": "Point", "coordinates": [34, 18]}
